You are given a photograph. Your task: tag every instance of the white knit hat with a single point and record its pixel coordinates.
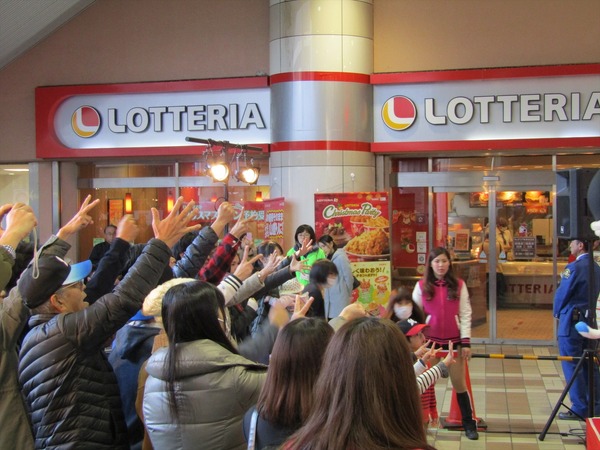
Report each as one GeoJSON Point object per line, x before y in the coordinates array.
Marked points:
{"type": "Point", "coordinates": [153, 302]}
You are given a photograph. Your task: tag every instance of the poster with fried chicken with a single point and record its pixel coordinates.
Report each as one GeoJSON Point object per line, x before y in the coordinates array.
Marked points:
{"type": "Point", "coordinates": [358, 223]}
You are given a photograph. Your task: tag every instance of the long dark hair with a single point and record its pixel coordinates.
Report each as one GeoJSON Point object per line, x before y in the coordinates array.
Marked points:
{"type": "Point", "coordinates": [429, 279]}
{"type": "Point", "coordinates": [190, 311]}
{"type": "Point", "coordinates": [320, 270]}
{"type": "Point", "coordinates": [287, 395]}
{"type": "Point", "coordinates": [365, 396]}
{"type": "Point", "coordinates": [326, 239]}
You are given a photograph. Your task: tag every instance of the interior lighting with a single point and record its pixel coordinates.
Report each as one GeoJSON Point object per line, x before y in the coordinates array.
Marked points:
{"type": "Point", "coordinates": [246, 173]}
{"type": "Point", "coordinates": [216, 167]}
{"type": "Point", "coordinates": [219, 171]}
{"type": "Point", "coordinates": [128, 203]}
{"type": "Point", "coordinates": [170, 202]}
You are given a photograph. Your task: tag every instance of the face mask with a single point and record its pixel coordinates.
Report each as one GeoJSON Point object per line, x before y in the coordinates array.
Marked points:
{"type": "Point", "coordinates": [403, 312]}
{"type": "Point", "coordinates": [331, 281]}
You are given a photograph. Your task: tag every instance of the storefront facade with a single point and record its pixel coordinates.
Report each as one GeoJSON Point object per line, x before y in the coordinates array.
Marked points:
{"type": "Point", "coordinates": [302, 157]}
{"type": "Point", "coordinates": [506, 133]}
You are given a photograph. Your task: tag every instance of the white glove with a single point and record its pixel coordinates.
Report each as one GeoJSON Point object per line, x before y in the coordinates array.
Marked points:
{"type": "Point", "coordinates": [595, 226]}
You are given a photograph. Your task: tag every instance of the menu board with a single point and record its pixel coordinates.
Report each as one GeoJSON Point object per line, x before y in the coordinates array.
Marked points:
{"type": "Point", "coordinates": [524, 247]}
{"type": "Point", "coordinates": [461, 240]}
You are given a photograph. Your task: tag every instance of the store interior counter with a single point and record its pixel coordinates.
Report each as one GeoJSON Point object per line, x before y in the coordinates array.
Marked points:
{"type": "Point", "coordinates": [530, 283]}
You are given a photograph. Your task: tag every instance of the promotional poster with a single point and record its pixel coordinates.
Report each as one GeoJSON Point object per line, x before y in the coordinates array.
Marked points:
{"type": "Point", "coordinates": [359, 223]}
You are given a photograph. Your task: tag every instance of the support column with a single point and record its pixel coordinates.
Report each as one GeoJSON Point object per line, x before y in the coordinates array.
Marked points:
{"type": "Point", "coordinates": [321, 59]}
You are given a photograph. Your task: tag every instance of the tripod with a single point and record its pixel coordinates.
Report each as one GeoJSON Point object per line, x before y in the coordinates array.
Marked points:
{"type": "Point", "coordinates": [590, 354]}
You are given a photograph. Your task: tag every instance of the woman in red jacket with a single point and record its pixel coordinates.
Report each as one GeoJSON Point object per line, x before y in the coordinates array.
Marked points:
{"type": "Point", "coordinates": [445, 300]}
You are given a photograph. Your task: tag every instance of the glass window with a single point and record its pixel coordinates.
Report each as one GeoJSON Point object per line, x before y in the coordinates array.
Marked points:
{"type": "Point", "coordinates": [578, 161]}
{"type": "Point", "coordinates": [543, 162]}
{"type": "Point", "coordinates": [120, 170]}
{"type": "Point", "coordinates": [14, 183]}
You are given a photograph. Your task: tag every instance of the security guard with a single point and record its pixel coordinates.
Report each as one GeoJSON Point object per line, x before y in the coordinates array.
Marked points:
{"type": "Point", "coordinates": [571, 304]}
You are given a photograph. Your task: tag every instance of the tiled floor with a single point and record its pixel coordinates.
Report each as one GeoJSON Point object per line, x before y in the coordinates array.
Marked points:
{"type": "Point", "coordinates": [515, 398]}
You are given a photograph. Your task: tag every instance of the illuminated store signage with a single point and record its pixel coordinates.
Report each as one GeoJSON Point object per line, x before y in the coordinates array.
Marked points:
{"type": "Point", "coordinates": [134, 120]}
{"type": "Point", "coordinates": [486, 110]}
{"type": "Point", "coordinates": [98, 120]}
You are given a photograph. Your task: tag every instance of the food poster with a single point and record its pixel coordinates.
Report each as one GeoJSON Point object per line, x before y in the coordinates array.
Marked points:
{"type": "Point", "coordinates": [375, 285]}
{"type": "Point", "coordinates": [256, 228]}
{"type": "Point", "coordinates": [409, 229]}
{"type": "Point", "coordinates": [207, 212]}
{"type": "Point", "coordinates": [268, 223]}
{"type": "Point", "coordinates": [357, 221]}
{"type": "Point", "coordinates": [274, 209]}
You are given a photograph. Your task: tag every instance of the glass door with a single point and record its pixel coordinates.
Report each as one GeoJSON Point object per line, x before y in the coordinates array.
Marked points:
{"type": "Point", "coordinates": [499, 230]}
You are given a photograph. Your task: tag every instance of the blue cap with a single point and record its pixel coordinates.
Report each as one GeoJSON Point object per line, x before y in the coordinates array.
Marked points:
{"type": "Point", "coordinates": [52, 273]}
{"type": "Point", "coordinates": [78, 272]}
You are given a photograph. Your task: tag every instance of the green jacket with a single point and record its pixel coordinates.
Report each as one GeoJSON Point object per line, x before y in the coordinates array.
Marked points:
{"type": "Point", "coordinates": [309, 258]}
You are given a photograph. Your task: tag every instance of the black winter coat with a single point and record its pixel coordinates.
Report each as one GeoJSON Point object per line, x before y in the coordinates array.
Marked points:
{"type": "Point", "coordinates": [70, 389]}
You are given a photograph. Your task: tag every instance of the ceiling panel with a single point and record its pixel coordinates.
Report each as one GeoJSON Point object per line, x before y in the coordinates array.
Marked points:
{"type": "Point", "coordinates": [24, 23]}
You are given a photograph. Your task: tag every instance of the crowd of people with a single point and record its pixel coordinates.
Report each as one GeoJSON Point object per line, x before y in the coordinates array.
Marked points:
{"type": "Point", "coordinates": [204, 351]}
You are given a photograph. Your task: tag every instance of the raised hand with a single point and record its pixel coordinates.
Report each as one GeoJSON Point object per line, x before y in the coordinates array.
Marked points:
{"type": "Point", "coordinates": [353, 311]}
{"type": "Point", "coordinates": [301, 307]}
{"type": "Point", "coordinates": [278, 315]}
{"type": "Point", "coordinates": [20, 220]}
{"type": "Point", "coordinates": [449, 359]}
{"type": "Point", "coordinates": [297, 265]}
{"type": "Point", "coordinates": [225, 214]}
{"type": "Point", "coordinates": [241, 226]}
{"type": "Point", "coordinates": [269, 266]}
{"type": "Point", "coordinates": [127, 228]}
{"type": "Point", "coordinates": [430, 352]}
{"type": "Point", "coordinates": [423, 349]}
{"type": "Point", "coordinates": [80, 220]}
{"type": "Point", "coordinates": [305, 248]}
{"type": "Point", "coordinates": [246, 267]}
{"type": "Point", "coordinates": [175, 225]}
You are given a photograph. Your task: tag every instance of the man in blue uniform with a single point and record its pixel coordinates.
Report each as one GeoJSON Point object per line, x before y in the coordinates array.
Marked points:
{"type": "Point", "coordinates": [571, 304]}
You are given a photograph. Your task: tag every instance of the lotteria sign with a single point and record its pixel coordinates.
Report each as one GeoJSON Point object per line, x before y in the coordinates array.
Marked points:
{"type": "Point", "coordinates": [476, 111]}
{"type": "Point", "coordinates": [150, 118]}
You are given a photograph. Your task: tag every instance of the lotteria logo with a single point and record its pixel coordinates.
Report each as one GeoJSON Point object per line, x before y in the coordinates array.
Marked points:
{"type": "Point", "coordinates": [399, 113]}
{"type": "Point", "coordinates": [85, 121]}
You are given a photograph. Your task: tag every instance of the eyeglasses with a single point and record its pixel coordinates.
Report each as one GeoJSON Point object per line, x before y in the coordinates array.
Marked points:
{"type": "Point", "coordinates": [78, 284]}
